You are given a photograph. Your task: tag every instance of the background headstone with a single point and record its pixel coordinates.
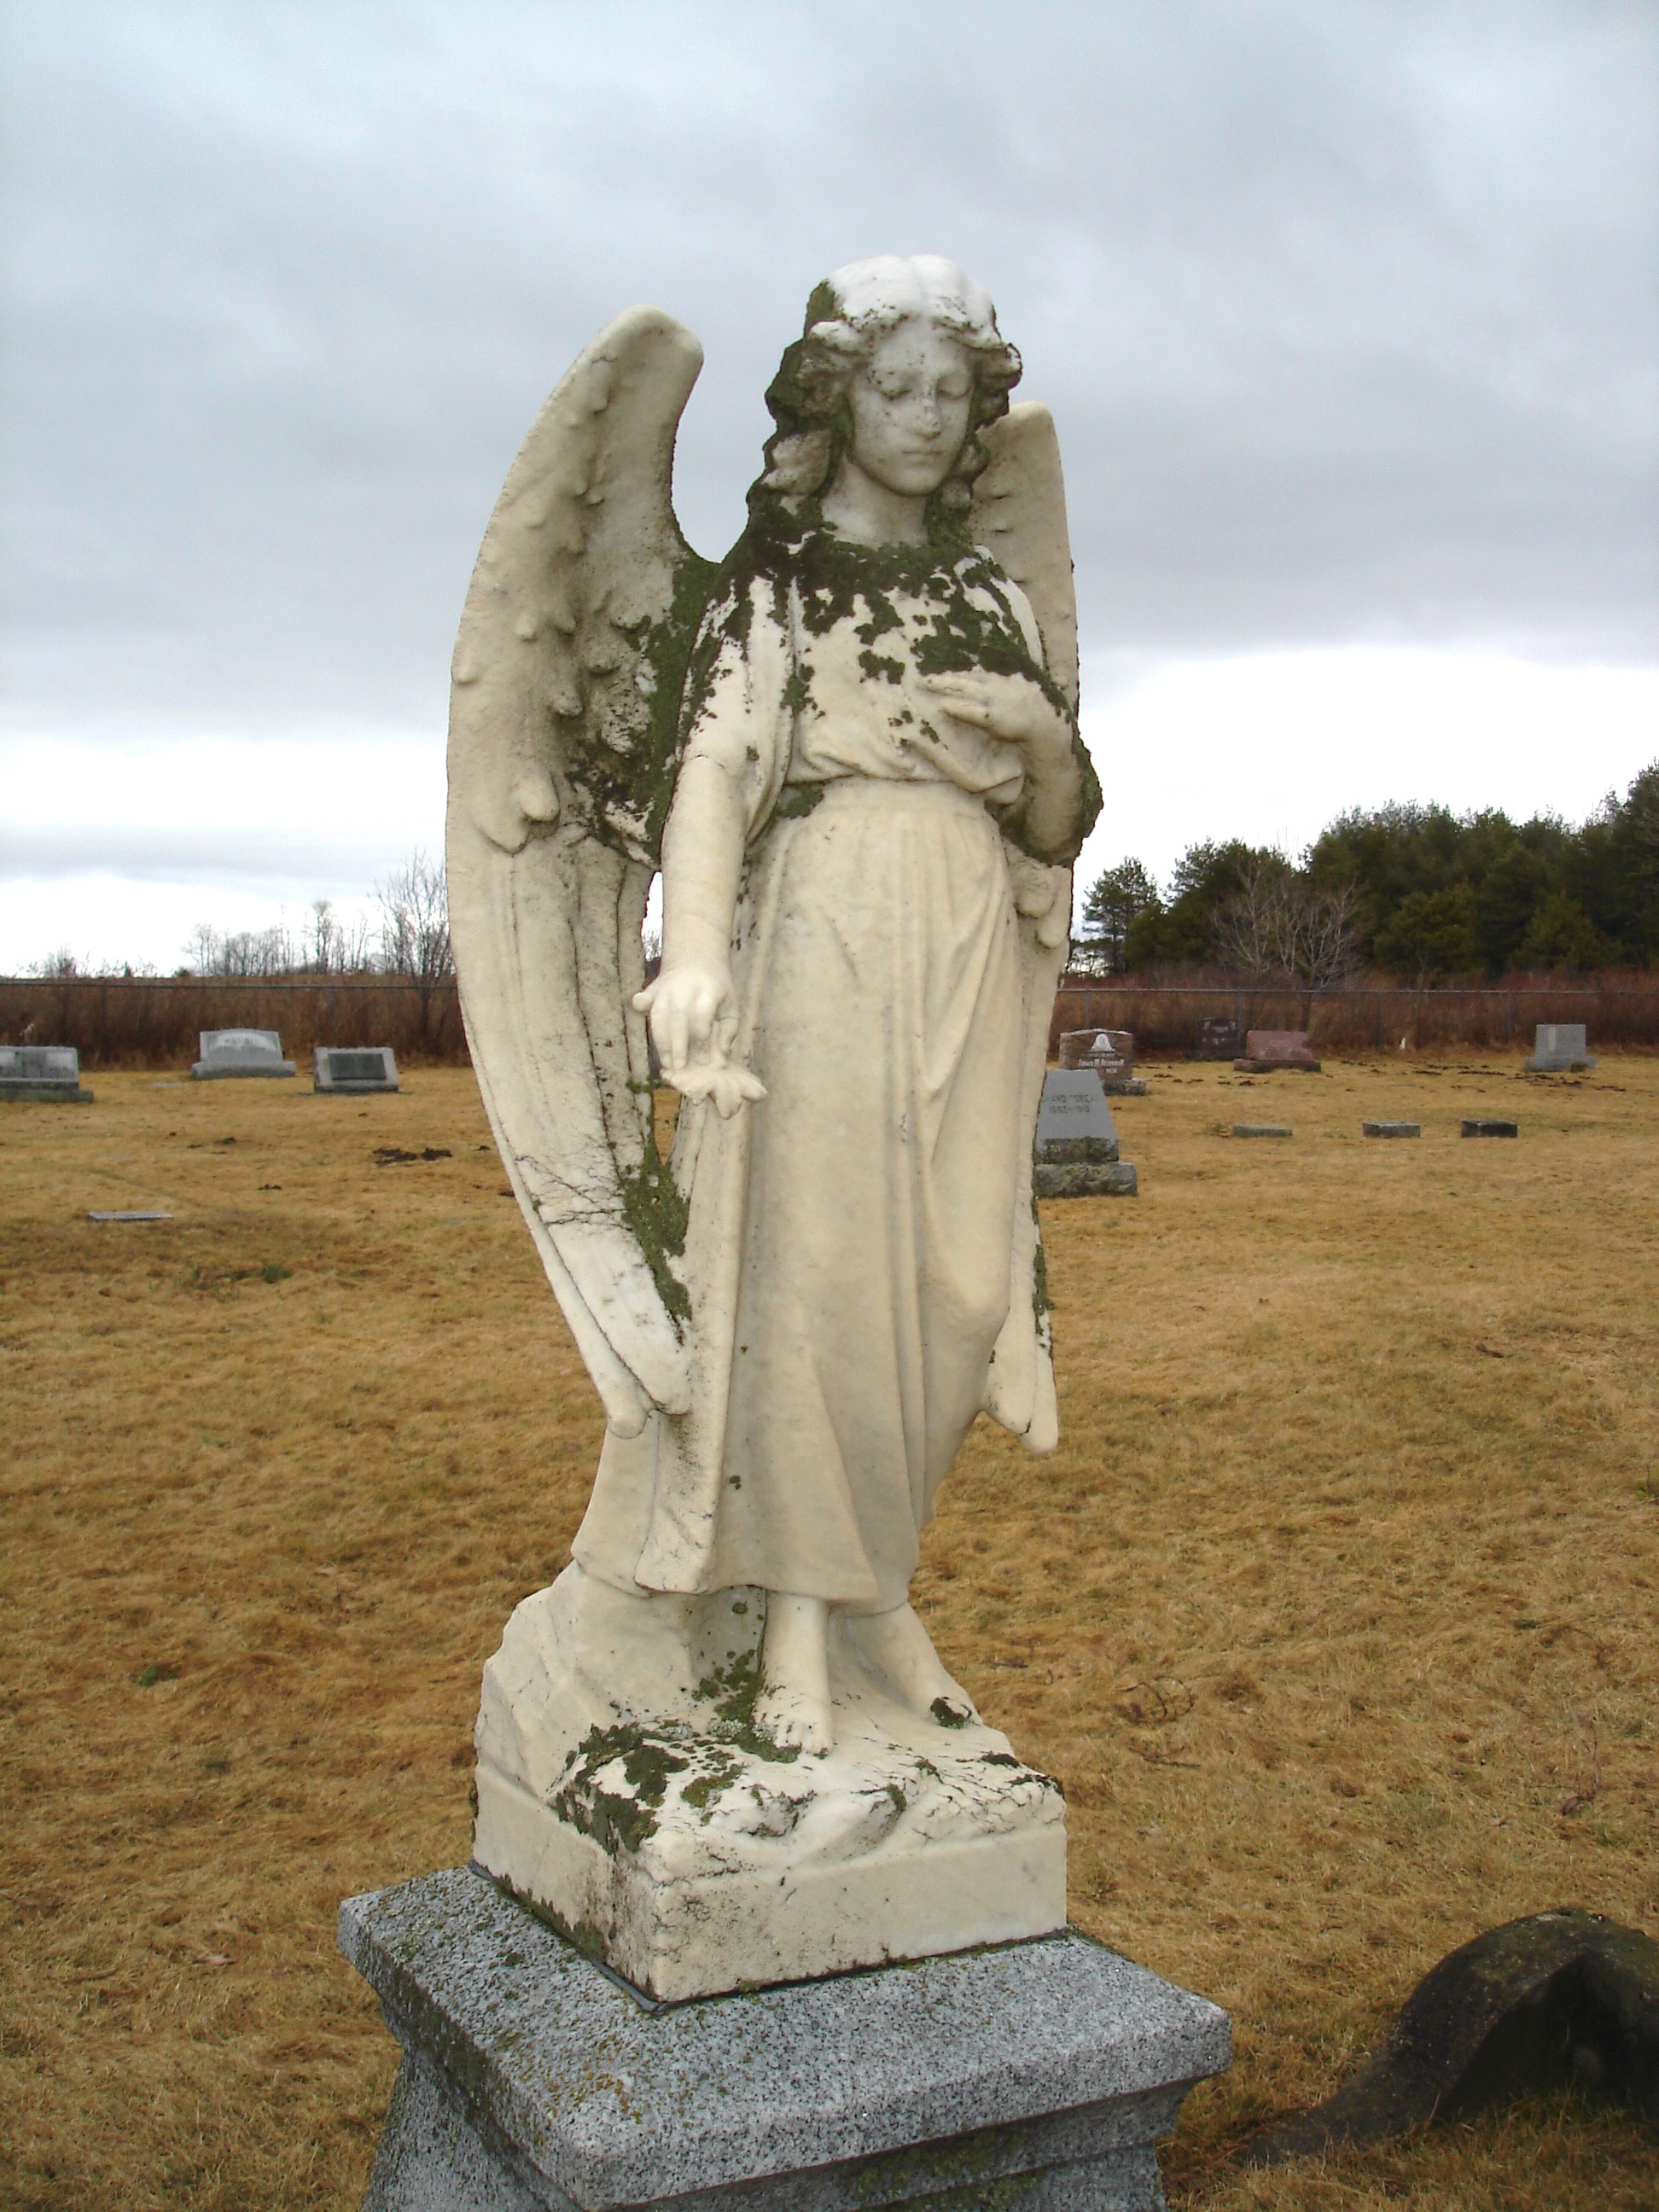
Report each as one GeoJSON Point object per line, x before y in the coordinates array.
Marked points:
{"type": "Point", "coordinates": [48, 1073]}
{"type": "Point", "coordinates": [354, 1069]}
{"type": "Point", "coordinates": [1558, 1047]}
{"type": "Point", "coordinates": [1264, 1050]}
{"type": "Point", "coordinates": [1391, 1128]}
{"type": "Point", "coordinates": [1483, 1129]}
{"type": "Point", "coordinates": [1262, 1129]}
{"type": "Point", "coordinates": [1215, 1037]}
{"type": "Point", "coordinates": [241, 1052]}
{"type": "Point", "coordinates": [1109, 1053]}
{"type": "Point", "coordinates": [1077, 1140]}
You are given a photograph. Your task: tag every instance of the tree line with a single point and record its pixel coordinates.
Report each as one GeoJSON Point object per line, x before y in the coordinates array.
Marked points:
{"type": "Point", "coordinates": [1410, 890]}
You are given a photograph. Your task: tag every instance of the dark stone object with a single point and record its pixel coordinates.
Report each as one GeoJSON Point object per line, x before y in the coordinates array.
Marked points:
{"type": "Point", "coordinates": [1262, 1129]}
{"type": "Point", "coordinates": [350, 1071]}
{"type": "Point", "coordinates": [1391, 1128]}
{"type": "Point", "coordinates": [1561, 2000]}
{"type": "Point", "coordinates": [1037, 2077]}
{"type": "Point", "coordinates": [1086, 1179]}
{"type": "Point", "coordinates": [1492, 1128]}
{"type": "Point", "coordinates": [1216, 1037]}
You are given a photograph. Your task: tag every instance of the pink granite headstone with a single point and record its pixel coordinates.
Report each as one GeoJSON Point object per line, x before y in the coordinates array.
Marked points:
{"type": "Point", "coordinates": [1267, 1049]}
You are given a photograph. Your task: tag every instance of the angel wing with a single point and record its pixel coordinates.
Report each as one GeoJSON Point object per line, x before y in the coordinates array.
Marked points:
{"type": "Point", "coordinates": [563, 706]}
{"type": "Point", "coordinates": [1018, 516]}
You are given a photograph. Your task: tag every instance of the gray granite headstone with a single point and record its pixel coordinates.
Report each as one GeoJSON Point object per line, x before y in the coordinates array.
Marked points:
{"type": "Point", "coordinates": [1109, 1053]}
{"type": "Point", "coordinates": [241, 1052]}
{"type": "Point", "coordinates": [48, 1073]}
{"type": "Point", "coordinates": [1558, 1047]}
{"type": "Point", "coordinates": [1076, 1139]}
{"type": "Point", "coordinates": [354, 1069]}
{"type": "Point", "coordinates": [1479, 1127]}
{"type": "Point", "coordinates": [1036, 2077]}
{"type": "Point", "coordinates": [1391, 1128]}
{"type": "Point", "coordinates": [1262, 1129]}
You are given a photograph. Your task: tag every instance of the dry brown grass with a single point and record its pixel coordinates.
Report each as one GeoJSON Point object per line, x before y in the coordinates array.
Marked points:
{"type": "Point", "coordinates": [1340, 1588]}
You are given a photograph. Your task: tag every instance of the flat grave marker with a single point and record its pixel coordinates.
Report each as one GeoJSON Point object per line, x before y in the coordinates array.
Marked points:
{"type": "Point", "coordinates": [1391, 1128]}
{"type": "Point", "coordinates": [352, 1071]}
{"type": "Point", "coordinates": [241, 1052]}
{"type": "Point", "coordinates": [1485, 1128]}
{"type": "Point", "coordinates": [136, 1214]}
{"type": "Point", "coordinates": [1262, 1129]}
{"type": "Point", "coordinates": [48, 1075]}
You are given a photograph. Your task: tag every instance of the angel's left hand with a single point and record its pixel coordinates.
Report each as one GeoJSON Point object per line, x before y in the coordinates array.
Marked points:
{"type": "Point", "coordinates": [1010, 708]}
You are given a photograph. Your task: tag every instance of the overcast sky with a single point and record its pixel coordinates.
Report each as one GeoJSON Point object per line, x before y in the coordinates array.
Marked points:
{"type": "Point", "coordinates": [1345, 309]}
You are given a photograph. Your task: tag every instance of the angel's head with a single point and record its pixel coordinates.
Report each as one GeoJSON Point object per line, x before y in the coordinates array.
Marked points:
{"type": "Point", "coordinates": [900, 367]}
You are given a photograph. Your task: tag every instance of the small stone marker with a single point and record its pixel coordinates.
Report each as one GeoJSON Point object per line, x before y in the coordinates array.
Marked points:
{"type": "Point", "coordinates": [353, 1070]}
{"type": "Point", "coordinates": [50, 1073]}
{"type": "Point", "coordinates": [1559, 1047]}
{"type": "Point", "coordinates": [1109, 1053]}
{"type": "Point", "coordinates": [241, 1052]}
{"type": "Point", "coordinates": [1260, 1129]}
{"type": "Point", "coordinates": [1266, 1050]}
{"type": "Point", "coordinates": [1077, 1140]}
{"type": "Point", "coordinates": [141, 1214]}
{"type": "Point", "coordinates": [1216, 1037]}
{"type": "Point", "coordinates": [1492, 1128]}
{"type": "Point", "coordinates": [1392, 1128]}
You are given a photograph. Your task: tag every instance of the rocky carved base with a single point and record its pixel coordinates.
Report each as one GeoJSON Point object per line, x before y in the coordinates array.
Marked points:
{"type": "Point", "coordinates": [625, 1792]}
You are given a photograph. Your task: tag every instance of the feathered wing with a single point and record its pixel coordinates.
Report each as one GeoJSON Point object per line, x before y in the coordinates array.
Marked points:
{"type": "Point", "coordinates": [1019, 518]}
{"type": "Point", "coordinates": [563, 705]}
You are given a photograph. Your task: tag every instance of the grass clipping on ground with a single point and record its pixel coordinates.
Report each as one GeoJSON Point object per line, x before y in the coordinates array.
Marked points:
{"type": "Point", "coordinates": [1335, 1612]}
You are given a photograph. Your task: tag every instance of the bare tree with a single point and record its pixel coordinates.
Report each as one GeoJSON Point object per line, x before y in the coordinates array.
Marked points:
{"type": "Point", "coordinates": [415, 929]}
{"type": "Point", "coordinates": [247, 953]}
{"type": "Point", "coordinates": [1280, 929]}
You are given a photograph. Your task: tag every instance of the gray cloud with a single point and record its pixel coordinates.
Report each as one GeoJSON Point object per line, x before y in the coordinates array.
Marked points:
{"type": "Point", "coordinates": [1347, 309]}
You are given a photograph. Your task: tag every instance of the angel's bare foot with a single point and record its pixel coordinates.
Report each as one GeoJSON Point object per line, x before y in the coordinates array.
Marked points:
{"type": "Point", "coordinates": [793, 1704]}
{"type": "Point", "coordinates": [900, 1647]}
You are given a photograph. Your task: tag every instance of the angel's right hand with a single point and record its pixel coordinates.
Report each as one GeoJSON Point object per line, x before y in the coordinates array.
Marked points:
{"type": "Point", "coordinates": [692, 1011]}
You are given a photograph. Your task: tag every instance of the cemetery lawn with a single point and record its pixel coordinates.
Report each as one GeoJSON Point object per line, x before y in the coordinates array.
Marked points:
{"type": "Point", "coordinates": [1337, 1611]}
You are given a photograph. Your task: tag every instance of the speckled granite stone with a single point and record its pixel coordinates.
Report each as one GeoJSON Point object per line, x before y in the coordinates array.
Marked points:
{"type": "Point", "coordinates": [1044, 2071]}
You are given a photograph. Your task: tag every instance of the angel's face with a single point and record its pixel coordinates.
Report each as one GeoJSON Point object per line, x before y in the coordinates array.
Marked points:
{"type": "Point", "coordinates": [910, 404]}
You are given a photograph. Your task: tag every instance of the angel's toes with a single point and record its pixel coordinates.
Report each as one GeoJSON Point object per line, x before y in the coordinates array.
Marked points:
{"type": "Point", "coordinates": [796, 1722]}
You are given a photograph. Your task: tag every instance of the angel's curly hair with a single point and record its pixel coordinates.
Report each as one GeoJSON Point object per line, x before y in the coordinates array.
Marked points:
{"type": "Point", "coordinates": [846, 317]}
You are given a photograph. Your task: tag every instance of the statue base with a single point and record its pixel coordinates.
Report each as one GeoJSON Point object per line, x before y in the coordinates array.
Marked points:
{"type": "Point", "coordinates": [625, 1793]}
{"type": "Point", "coordinates": [1039, 2075]}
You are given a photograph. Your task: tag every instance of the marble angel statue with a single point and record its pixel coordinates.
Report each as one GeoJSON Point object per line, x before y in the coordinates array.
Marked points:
{"type": "Point", "coordinates": [852, 751]}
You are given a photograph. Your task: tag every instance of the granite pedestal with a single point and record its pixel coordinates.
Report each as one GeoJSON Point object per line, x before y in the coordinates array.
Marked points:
{"type": "Point", "coordinates": [1037, 2077]}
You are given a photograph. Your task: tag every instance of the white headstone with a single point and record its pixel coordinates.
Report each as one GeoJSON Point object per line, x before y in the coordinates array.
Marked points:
{"type": "Point", "coordinates": [241, 1052]}
{"type": "Point", "coordinates": [1560, 1046]}
{"type": "Point", "coordinates": [45, 1072]}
